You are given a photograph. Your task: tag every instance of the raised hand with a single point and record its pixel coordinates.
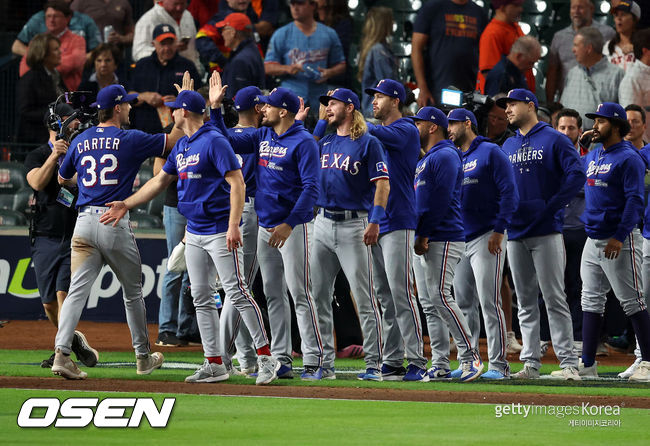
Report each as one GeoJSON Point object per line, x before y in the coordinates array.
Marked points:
{"type": "Point", "coordinates": [188, 83]}
{"type": "Point", "coordinates": [217, 90]}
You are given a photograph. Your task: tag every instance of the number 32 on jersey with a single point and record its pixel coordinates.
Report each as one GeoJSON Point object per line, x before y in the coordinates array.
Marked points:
{"type": "Point", "coordinates": [107, 165]}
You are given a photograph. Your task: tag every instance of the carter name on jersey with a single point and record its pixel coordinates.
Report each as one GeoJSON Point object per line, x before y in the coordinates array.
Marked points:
{"type": "Point", "coordinates": [103, 143]}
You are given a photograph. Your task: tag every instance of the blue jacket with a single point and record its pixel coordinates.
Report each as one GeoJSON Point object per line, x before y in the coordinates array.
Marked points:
{"type": "Point", "coordinates": [548, 173]}
{"type": "Point", "coordinates": [287, 173]}
{"type": "Point", "coordinates": [245, 67]}
{"type": "Point", "coordinates": [401, 140]}
{"type": "Point", "coordinates": [614, 191]}
{"type": "Point", "coordinates": [438, 183]}
{"type": "Point", "coordinates": [645, 154]}
{"type": "Point", "coordinates": [489, 196]}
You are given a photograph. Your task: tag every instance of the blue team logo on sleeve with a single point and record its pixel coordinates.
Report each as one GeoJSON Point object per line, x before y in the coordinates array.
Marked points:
{"type": "Point", "coordinates": [381, 167]}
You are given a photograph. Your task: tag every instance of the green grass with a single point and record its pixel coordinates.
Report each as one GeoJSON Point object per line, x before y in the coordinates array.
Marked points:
{"type": "Point", "coordinates": [200, 419]}
{"type": "Point", "coordinates": [22, 363]}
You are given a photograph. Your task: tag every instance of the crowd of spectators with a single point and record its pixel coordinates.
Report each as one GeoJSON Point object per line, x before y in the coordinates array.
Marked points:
{"type": "Point", "coordinates": [89, 44]}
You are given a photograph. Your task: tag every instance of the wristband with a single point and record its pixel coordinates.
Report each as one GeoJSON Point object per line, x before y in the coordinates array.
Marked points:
{"type": "Point", "coordinates": [377, 214]}
{"type": "Point", "coordinates": [320, 128]}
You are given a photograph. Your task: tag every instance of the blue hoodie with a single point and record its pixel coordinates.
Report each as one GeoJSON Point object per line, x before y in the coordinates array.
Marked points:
{"type": "Point", "coordinates": [614, 191]}
{"type": "Point", "coordinates": [287, 173]}
{"type": "Point", "coordinates": [489, 196]}
{"type": "Point", "coordinates": [438, 182]}
{"type": "Point", "coordinates": [548, 172]}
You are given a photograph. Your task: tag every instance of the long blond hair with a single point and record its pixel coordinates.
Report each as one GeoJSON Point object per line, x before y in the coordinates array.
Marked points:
{"type": "Point", "coordinates": [358, 127]}
{"type": "Point", "coordinates": [378, 26]}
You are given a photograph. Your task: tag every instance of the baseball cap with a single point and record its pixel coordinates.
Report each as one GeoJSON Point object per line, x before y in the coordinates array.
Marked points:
{"type": "Point", "coordinates": [461, 115]}
{"type": "Point", "coordinates": [496, 4]}
{"type": "Point", "coordinates": [628, 6]}
{"type": "Point", "coordinates": [247, 98]}
{"type": "Point", "coordinates": [613, 112]}
{"type": "Point", "coordinates": [109, 97]}
{"type": "Point", "coordinates": [344, 95]}
{"type": "Point", "coordinates": [163, 31]}
{"type": "Point", "coordinates": [282, 98]}
{"type": "Point", "coordinates": [431, 114]}
{"type": "Point", "coordinates": [188, 100]}
{"type": "Point", "coordinates": [236, 20]}
{"type": "Point", "coordinates": [390, 88]}
{"type": "Point", "coordinates": [518, 94]}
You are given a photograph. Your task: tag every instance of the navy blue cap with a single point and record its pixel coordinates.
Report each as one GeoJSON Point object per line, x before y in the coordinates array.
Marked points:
{"type": "Point", "coordinates": [461, 115]}
{"type": "Point", "coordinates": [282, 98]}
{"type": "Point", "coordinates": [390, 88]}
{"type": "Point", "coordinates": [609, 110]}
{"type": "Point", "coordinates": [109, 97]}
{"type": "Point", "coordinates": [518, 94]}
{"type": "Point", "coordinates": [247, 98]}
{"type": "Point", "coordinates": [432, 114]}
{"type": "Point", "coordinates": [190, 101]}
{"type": "Point", "coordinates": [344, 95]}
{"type": "Point", "coordinates": [164, 31]}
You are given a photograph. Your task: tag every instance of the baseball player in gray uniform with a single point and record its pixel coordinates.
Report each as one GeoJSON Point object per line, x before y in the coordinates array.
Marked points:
{"type": "Point", "coordinates": [354, 182]}
{"type": "Point", "coordinates": [548, 173]}
{"type": "Point", "coordinates": [211, 193]}
{"type": "Point", "coordinates": [488, 200]}
{"type": "Point", "coordinates": [612, 254]}
{"type": "Point", "coordinates": [287, 188]}
{"type": "Point", "coordinates": [106, 160]}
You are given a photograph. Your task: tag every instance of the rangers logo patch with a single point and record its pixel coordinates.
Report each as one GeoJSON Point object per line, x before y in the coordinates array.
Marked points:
{"type": "Point", "coordinates": [381, 167]}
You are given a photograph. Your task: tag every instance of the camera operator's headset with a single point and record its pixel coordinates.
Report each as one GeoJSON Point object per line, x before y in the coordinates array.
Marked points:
{"type": "Point", "coordinates": [54, 121]}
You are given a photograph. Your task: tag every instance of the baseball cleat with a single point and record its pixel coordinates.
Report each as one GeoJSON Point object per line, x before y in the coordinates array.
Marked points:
{"type": "Point", "coordinates": [370, 374]}
{"type": "Point", "coordinates": [438, 373]}
{"type": "Point", "coordinates": [209, 372]}
{"type": "Point", "coordinates": [329, 373]}
{"type": "Point", "coordinates": [588, 372]}
{"type": "Point", "coordinates": [267, 370]}
{"type": "Point", "coordinates": [544, 346]}
{"type": "Point", "coordinates": [513, 346]}
{"type": "Point", "coordinates": [167, 339]}
{"type": "Point", "coordinates": [456, 373]}
{"type": "Point", "coordinates": [49, 362]}
{"type": "Point", "coordinates": [471, 370]}
{"type": "Point", "coordinates": [285, 372]}
{"type": "Point", "coordinates": [642, 373]}
{"type": "Point", "coordinates": [391, 373]}
{"type": "Point", "coordinates": [528, 372]}
{"type": "Point", "coordinates": [415, 373]}
{"type": "Point", "coordinates": [494, 375]}
{"type": "Point", "coordinates": [568, 373]}
{"type": "Point", "coordinates": [64, 366]}
{"type": "Point", "coordinates": [312, 373]}
{"type": "Point", "coordinates": [146, 364]}
{"type": "Point", "coordinates": [630, 370]}
{"type": "Point", "coordinates": [602, 350]}
{"type": "Point", "coordinates": [87, 355]}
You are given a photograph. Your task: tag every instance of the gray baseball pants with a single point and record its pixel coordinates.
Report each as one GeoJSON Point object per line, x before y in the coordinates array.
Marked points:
{"type": "Point", "coordinates": [441, 261]}
{"type": "Point", "coordinates": [478, 280]}
{"type": "Point", "coordinates": [93, 246]}
{"type": "Point", "coordinates": [392, 263]}
{"type": "Point", "coordinates": [537, 263]}
{"type": "Point", "coordinates": [339, 244]}
{"type": "Point", "coordinates": [289, 267]}
{"type": "Point", "coordinates": [436, 326]}
{"type": "Point", "coordinates": [207, 256]}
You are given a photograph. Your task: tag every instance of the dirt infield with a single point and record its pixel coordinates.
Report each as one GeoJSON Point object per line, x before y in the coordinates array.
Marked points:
{"type": "Point", "coordinates": [37, 335]}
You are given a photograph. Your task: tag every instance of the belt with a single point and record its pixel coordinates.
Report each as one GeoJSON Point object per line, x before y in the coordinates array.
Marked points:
{"type": "Point", "coordinates": [94, 209]}
{"type": "Point", "coordinates": [342, 215]}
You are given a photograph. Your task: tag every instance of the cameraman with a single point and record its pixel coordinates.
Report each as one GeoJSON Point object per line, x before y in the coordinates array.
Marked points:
{"type": "Point", "coordinates": [52, 225]}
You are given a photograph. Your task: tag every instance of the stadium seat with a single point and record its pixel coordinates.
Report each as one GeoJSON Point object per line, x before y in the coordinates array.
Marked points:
{"type": "Point", "coordinates": [141, 220]}
{"type": "Point", "coordinates": [22, 200]}
{"type": "Point", "coordinates": [12, 177]}
{"type": "Point", "coordinates": [9, 217]}
{"type": "Point", "coordinates": [402, 49]}
{"type": "Point", "coordinates": [155, 206]}
{"type": "Point", "coordinates": [144, 175]}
